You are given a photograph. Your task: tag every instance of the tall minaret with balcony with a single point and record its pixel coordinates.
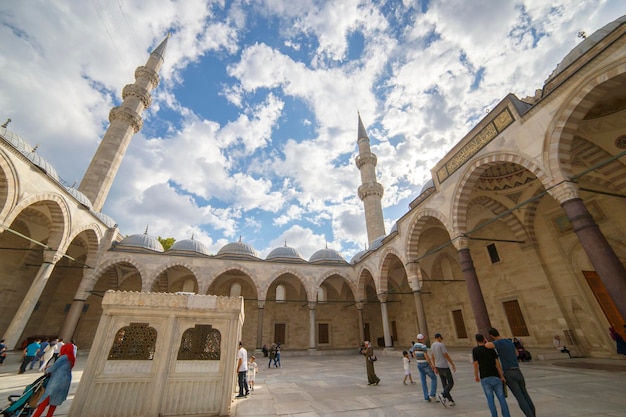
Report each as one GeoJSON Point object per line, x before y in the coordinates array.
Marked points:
{"type": "Point", "coordinates": [370, 191]}
{"type": "Point", "coordinates": [125, 122]}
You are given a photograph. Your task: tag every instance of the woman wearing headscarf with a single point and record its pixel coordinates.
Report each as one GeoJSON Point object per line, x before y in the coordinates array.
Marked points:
{"type": "Point", "coordinates": [59, 383]}
{"type": "Point", "coordinates": [368, 352]}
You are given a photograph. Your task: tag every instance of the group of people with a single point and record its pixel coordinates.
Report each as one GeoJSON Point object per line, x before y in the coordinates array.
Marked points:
{"type": "Point", "coordinates": [40, 353]}
{"type": "Point", "coordinates": [496, 365]}
{"type": "Point", "coordinates": [273, 352]}
{"type": "Point", "coordinates": [55, 359]}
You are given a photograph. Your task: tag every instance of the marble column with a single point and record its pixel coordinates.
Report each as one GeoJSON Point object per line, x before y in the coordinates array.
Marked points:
{"type": "Point", "coordinates": [73, 316]}
{"type": "Point", "coordinates": [359, 309]}
{"type": "Point", "coordinates": [385, 317]}
{"type": "Point", "coordinates": [20, 319]}
{"type": "Point", "coordinates": [312, 341]}
{"type": "Point", "coordinates": [601, 255]}
{"type": "Point", "coordinates": [259, 328]}
{"type": "Point", "coordinates": [414, 281]}
{"type": "Point", "coordinates": [479, 308]}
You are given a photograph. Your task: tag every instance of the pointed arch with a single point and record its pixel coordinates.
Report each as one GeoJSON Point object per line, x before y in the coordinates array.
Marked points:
{"type": "Point", "coordinates": [59, 216]}
{"type": "Point", "coordinates": [9, 187]}
{"type": "Point", "coordinates": [562, 130]}
{"type": "Point", "coordinates": [472, 173]}
{"type": "Point", "coordinates": [152, 279]}
{"type": "Point", "coordinates": [415, 231]}
{"type": "Point", "coordinates": [104, 266]}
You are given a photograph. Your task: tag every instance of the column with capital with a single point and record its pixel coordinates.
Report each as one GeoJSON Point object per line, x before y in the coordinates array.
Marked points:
{"type": "Point", "coordinates": [479, 308]}
{"type": "Point", "coordinates": [20, 319]}
{"type": "Point", "coordinates": [259, 329]}
{"type": "Point", "coordinates": [359, 309]}
{"type": "Point", "coordinates": [414, 276]}
{"type": "Point", "coordinates": [385, 316]}
{"type": "Point", "coordinates": [600, 253]}
{"type": "Point", "coordinates": [73, 316]}
{"type": "Point", "coordinates": [312, 344]}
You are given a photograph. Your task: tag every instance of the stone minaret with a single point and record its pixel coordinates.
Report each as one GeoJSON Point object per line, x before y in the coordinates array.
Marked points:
{"type": "Point", "coordinates": [370, 191]}
{"type": "Point", "coordinates": [125, 122]}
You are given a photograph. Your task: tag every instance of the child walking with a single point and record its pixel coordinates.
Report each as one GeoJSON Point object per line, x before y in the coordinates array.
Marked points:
{"type": "Point", "coordinates": [407, 368]}
{"type": "Point", "coordinates": [252, 370]}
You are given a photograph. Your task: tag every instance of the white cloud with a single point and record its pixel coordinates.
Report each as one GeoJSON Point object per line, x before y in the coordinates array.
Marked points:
{"type": "Point", "coordinates": [64, 64]}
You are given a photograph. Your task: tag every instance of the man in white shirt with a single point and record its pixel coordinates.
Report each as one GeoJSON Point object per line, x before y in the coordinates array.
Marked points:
{"type": "Point", "coordinates": [242, 370]}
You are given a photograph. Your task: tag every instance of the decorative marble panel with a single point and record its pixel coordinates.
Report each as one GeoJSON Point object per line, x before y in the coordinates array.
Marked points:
{"type": "Point", "coordinates": [200, 344]}
{"type": "Point", "coordinates": [134, 342]}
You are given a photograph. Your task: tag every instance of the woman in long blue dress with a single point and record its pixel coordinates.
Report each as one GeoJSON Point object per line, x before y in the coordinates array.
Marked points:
{"type": "Point", "coordinates": [59, 383]}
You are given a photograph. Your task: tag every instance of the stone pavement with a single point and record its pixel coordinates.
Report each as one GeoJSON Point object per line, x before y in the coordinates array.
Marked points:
{"type": "Point", "coordinates": [314, 386]}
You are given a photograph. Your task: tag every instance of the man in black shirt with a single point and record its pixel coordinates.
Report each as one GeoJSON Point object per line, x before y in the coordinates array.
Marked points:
{"type": "Point", "coordinates": [488, 372]}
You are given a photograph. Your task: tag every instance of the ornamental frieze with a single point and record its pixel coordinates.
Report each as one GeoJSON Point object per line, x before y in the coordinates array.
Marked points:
{"type": "Point", "coordinates": [500, 122]}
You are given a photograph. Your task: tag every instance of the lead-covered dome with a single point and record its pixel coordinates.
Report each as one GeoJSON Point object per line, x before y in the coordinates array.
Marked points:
{"type": "Point", "coordinates": [141, 241]}
{"type": "Point", "coordinates": [80, 197]}
{"type": "Point", "coordinates": [29, 152]}
{"type": "Point", "coordinates": [284, 253]}
{"type": "Point", "coordinates": [238, 249]}
{"type": "Point", "coordinates": [189, 246]}
{"type": "Point", "coordinates": [15, 140]}
{"type": "Point", "coordinates": [356, 258]}
{"type": "Point", "coordinates": [327, 256]}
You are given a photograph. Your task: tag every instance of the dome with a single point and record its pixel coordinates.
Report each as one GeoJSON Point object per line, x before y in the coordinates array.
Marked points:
{"type": "Point", "coordinates": [377, 243]}
{"type": "Point", "coordinates": [109, 222]}
{"type": "Point", "coordinates": [142, 241]}
{"type": "Point", "coordinates": [284, 253]}
{"type": "Point", "coordinates": [42, 164]}
{"type": "Point", "coordinates": [326, 255]}
{"type": "Point", "coordinates": [25, 149]}
{"type": "Point", "coordinates": [15, 141]}
{"type": "Point", "coordinates": [394, 228]}
{"type": "Point", "coordinates": [585, 46]}
{"type": "Point", "coordinates": [238, 249]}
{"type": "Point", "coordinates": [82, 198]}
{"type": "Point", "coordinates": [429, 184]}
{"type": "Point", "coordinates": [356, 258]}
{"type": "Point", "coordinates": [189, 245]}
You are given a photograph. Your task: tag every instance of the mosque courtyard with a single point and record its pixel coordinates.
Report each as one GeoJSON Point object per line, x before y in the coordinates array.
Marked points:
{"type": "Point", "coordinates": [312, 386]}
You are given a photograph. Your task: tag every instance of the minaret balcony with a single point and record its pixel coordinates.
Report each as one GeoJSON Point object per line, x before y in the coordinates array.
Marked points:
{"type": "Point", "coordinates": [136, 91]}
{"type": "Point", "coordinates": [365, 159]}
{"type": "Point", "coordinates": [371, 189]}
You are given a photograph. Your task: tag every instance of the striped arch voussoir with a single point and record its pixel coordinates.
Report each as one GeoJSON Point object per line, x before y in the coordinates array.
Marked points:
{"type": "Point", "coordinates": [470, 178]}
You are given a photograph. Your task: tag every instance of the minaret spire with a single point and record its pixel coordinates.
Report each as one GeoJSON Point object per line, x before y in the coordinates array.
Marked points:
{"type": "Point", "coordinates": [125, 122]}
{"type": "Point", "coordinates": [370, 191]}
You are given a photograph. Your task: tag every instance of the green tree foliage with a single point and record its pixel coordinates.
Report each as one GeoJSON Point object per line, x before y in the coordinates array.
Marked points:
{"type": "Point", "coordinates": [167, 242]}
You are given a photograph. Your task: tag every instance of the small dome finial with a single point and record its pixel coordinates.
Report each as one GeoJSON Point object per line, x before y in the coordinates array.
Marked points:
{"type": "Point", "coordinates": [146, 232]}
{"type": "Point", "coordinates": [5, 124]}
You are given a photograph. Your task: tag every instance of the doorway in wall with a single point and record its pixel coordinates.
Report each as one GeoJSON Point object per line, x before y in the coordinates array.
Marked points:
{"type": "Point", "coordinates": [605, 301]}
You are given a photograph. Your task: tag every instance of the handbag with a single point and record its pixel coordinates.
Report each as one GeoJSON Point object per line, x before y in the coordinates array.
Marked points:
{"type": "Point", "coordinates": [373, 358]}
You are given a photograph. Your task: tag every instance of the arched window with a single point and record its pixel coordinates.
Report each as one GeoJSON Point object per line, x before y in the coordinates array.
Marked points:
{"type": "Point", "coordinates": [235, 290]}
{"type": "Point", "coordinates": [281, 293]}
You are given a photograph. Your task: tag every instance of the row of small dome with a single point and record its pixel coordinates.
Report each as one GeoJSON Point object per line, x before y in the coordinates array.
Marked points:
{"type": "Point", "coordinates": [233, 249]}
{"type": "Point", "coordinates": [30, 153]}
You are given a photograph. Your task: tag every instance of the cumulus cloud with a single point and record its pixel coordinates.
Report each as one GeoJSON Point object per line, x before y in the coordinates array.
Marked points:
{"type": "Point", "coordinates": [422, 74]}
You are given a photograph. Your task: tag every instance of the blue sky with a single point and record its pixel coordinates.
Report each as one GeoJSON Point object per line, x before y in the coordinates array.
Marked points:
{"type": "Point", "coordinates": [252, 131]}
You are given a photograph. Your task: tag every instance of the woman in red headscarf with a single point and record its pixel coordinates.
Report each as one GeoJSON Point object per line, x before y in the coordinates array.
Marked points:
{"type": "Point", "coordinates": [59, 383]}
